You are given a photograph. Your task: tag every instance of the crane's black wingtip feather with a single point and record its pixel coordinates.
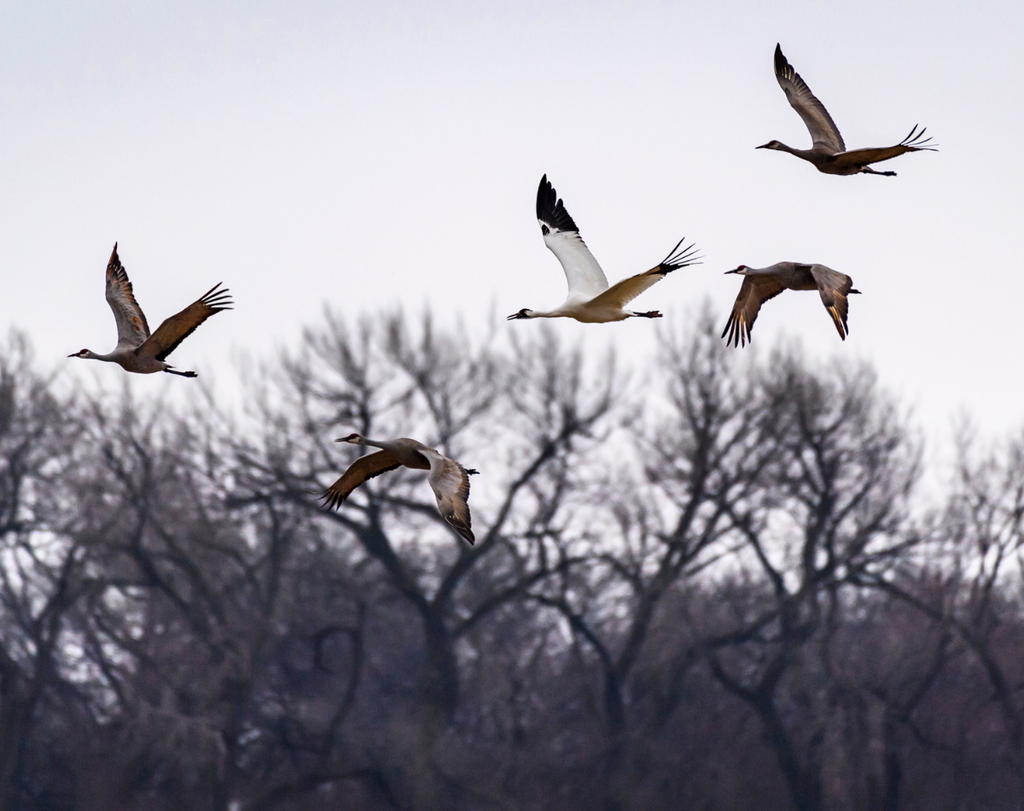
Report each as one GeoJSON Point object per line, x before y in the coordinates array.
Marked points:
{"type": "Point", "coordinates": [680, 258]}
{"type": "Point", "coordinates": [330, 500]}
{"type": "Point", "coordinates": [551, 210]}
{"type": "Point", "coordinates": [781, 65]}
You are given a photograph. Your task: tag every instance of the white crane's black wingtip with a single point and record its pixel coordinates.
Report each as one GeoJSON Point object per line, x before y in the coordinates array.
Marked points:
{"type": "Point", "coordinates": [550, 209]}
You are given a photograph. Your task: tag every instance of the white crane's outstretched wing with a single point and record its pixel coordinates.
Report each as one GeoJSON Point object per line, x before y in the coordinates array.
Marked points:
{"type": "Point", "coordinates": [834, 287]}
{"type": "Point", "coordinates": [621, 293]}
{"type": "Point", "coordinates": [823, 129]}
{"type": "Point", "coordinates": [450, 482]}
{"type": "Point", "coordinates": [582, 272]}
{"type": "Point", "coordinates": [132, 329]}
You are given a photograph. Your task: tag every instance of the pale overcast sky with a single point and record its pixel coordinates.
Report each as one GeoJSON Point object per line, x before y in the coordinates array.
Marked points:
{"type": "Point", "coordinates": [374, 155]}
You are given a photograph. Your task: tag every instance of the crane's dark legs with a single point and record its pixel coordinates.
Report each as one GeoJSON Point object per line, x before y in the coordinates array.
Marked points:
{"type": "Point", "coordinates": [182, 374]}
{"type": "Point", "coordinates": [651, 314]}
{"type": "Point", "coordinates": [868, 171]}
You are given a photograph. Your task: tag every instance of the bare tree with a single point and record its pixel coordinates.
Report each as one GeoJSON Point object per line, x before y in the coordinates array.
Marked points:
{"type": "Point", "coordinates": [975, 582]}
{"type": "Point", "coordinates": [832, 505]}
{"type": "Point", "coordinates": [529, 412]}
{"type": "Point", "coordinates": [706, 583]}
{"type": "Point", "coordinates": [41, 564]}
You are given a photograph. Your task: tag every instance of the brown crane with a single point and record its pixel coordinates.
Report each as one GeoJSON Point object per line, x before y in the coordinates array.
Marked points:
{"type": "Point", "coordinates": [828, 152]}
{"type": "Point", "coordinates": [448, 479]}
{"type": "Point", "coordinates": [761, 284]}
{"type": "Point", "coordinates": [137, 350]}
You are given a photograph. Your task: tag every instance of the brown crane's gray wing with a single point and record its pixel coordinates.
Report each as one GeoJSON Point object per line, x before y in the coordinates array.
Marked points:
{"type": "Point", "coordinates": [823, 129]}
{"type": "Point", "coordinates": [365, 467]}
{"type": "Point", "coordinates": [754, 291]}
{"type": "Point", "coordinates": [132, 329]}
{"type": "Point", "coordinates": [834, 287]}
{"type": "Point", "coordinates": [450, 483]}
{"type": "Point", "coordinates": [178, 327]}
{"type": "Point", "coordinates": [914, 142]}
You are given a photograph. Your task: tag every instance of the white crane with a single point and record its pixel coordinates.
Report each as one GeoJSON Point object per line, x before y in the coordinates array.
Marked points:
{"type": "Point", "coordinates": [448, 479]}
{"type": "Point", "coordinates": [590, 299]}
{"type": "Point", "coordinates": [137, 350]}
{"type": "Point", "coordinates": [761, 284]}
{"type": "Point", "coordinates": [828, 152]}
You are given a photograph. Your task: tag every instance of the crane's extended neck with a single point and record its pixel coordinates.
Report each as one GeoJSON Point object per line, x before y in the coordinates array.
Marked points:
{"type": "Point", "coordinates": [88, 354]}
{"type": "Point", "coordinates": [527, 313]}
{"type": "Point", "coordinates": [815, 156]}
{"type": "Point", "coordinates": [358, 439]}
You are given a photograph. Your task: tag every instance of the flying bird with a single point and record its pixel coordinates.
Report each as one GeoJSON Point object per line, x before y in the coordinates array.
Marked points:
{"type": "Point", "coordinates": [590, 299]}
{"type": "Point", "coordinates": [828, 153]}
{"type": "Point", "coordinates": [137, 350]}
{"type": "Point", "coordinates": [761, 284]}
{"type": "Point", "coordinates": [448, 479]}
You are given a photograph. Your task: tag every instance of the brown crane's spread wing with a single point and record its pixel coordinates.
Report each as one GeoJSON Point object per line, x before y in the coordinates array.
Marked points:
{"type": "Point", "coordinates": [178, 327]}
{"type": "Point", "coordinates": [863, 157]}
{"type": "Point", "coordinates": [132, 329]}
{"type": "Point", "coordinates": [834, 288]}
{"type": "Point", "coordinates": [823, 129]}
{"type": "Point", "coordinates": [914, 142]}
{"type": "Point", "coordinates": [450, 483]}
{"type": "Point", "coordinates": [754, 291]}
{"type": "Point", "coordinates": [365, 467]}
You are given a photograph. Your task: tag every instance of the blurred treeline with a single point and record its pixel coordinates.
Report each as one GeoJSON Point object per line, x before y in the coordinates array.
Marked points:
{"type": "Point", "coordinates": [712, 583]}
